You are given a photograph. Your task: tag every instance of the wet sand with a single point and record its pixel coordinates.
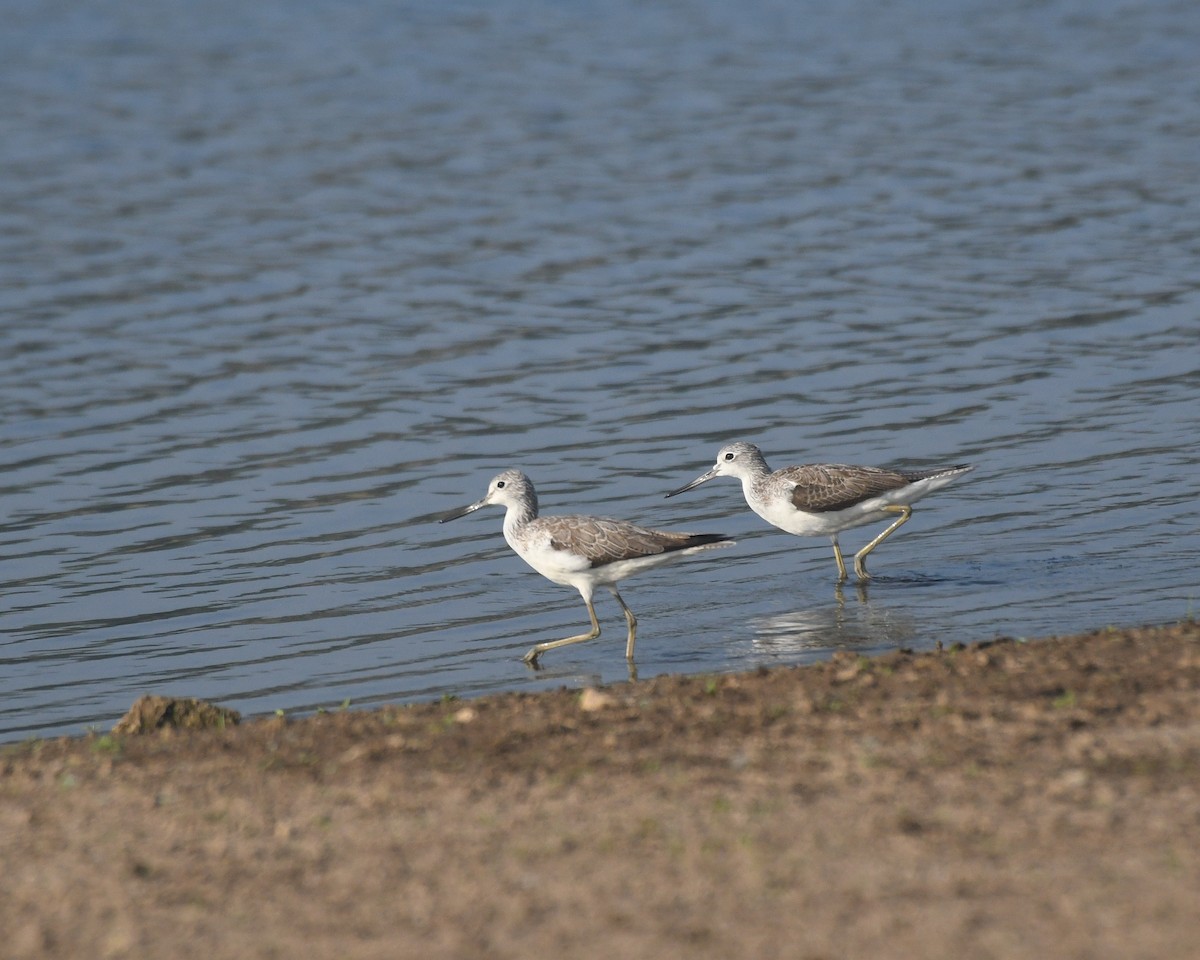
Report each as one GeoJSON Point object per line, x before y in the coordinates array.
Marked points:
{"type": "Point", "coordinates": [1036, 799]}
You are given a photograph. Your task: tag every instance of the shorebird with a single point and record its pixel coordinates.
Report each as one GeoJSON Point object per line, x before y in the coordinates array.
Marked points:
{"type": "Point", "coordinates": [823, 499]}
{"type": "Point", "coordinates": [582, 552]}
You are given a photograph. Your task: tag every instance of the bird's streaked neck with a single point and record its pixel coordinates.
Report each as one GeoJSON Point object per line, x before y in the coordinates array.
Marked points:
{"type": "Point", "coordinates": [520, 512]}
{"type": "Point", "coordinates": [754, 470]}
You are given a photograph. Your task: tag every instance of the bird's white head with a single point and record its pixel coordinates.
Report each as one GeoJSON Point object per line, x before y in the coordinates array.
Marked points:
{"type": "Point", "coordinates": [738, 459]}
{"type": "Point", "coordinates": [508, 489]}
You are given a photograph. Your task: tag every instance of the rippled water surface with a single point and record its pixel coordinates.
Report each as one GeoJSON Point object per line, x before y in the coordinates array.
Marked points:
{"type": "Point", "coordinates": [282, 283]}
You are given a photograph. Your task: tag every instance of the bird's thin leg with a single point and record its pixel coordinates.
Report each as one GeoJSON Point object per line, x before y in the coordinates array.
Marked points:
{"type": "Point", "coordinates": [837, 555]}
{"type": "Point", "coordinates": [859, 566]}
{"type": "Point", "coordinates": [532, 656]}
{"type": "Point", "coordinates": [629, 619]}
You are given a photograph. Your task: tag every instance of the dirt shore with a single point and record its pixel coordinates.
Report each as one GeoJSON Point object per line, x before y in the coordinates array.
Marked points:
{"type": "Point", "coordinates": [1035, 799]}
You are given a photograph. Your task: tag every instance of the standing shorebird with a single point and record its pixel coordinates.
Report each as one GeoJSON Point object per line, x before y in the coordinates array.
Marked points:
{"type": "Point", "coordinates": [582, 552]}
{"type": "Point", "coordinates": [826, 498]}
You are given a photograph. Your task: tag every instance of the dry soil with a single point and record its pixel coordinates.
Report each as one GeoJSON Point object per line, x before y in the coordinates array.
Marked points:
{"type": "Point", "coordinates": [1011, 799]}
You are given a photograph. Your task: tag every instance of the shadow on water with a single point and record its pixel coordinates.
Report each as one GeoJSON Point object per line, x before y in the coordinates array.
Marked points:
{"type": "Point", "coordinates": [852, 621]}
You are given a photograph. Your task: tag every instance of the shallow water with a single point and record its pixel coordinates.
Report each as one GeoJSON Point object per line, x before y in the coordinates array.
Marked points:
{"type": "Point", "coordinates": [283, 283]}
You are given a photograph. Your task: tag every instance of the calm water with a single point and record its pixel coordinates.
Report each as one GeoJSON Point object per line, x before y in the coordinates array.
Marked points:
{"type": "Point", "coordinates": [281, 283]}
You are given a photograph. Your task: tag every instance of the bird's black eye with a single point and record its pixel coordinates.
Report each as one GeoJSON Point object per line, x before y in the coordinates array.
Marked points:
{"type": "Point", "coordinates": [499, 484]}
{"type": "Point", "coordinates": [730, 456]}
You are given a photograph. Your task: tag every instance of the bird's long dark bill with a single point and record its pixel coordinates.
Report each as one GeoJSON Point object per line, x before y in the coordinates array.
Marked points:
{"type": "Point", "coordinates": [695, 483]}
{"type": "Point", "coordinates": [461, 513]}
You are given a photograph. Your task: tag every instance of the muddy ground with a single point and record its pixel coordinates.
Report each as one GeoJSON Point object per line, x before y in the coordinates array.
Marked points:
{"type": "Point", "coordinates": [1035, 799]}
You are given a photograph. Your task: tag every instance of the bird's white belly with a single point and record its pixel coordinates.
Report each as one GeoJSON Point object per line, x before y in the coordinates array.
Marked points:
{"type": "Point", "coordinates": [558, 566]}
{"type": "Point", "coordinates": [801, 524]}
{"type": "Point", "coordinates": [572, 570]}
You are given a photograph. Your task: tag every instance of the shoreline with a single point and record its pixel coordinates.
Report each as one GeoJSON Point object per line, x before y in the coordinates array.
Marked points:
{"type": "Point", "coordinates": [1006, 798]}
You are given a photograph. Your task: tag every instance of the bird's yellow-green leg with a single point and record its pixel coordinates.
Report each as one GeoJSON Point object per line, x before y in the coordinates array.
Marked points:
{"type": "Point", "coordinates": [859, 558]}
{"type": "Point", "coordinates": [531, 657]}
{"type": "Point", "coordinates": [837, 555]}
{"type": "Point", "coordinates": [629, 619]}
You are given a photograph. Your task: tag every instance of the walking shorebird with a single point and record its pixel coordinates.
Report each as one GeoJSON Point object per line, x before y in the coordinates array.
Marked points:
{"type": "Point", "coordinates": [582, 552]}
{"type": "Point", "coordinates": [823, 499]}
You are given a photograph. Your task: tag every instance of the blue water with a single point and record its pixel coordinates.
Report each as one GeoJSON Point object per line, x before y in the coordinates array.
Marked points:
{"type": "Point", "coordinates": [282, 283]}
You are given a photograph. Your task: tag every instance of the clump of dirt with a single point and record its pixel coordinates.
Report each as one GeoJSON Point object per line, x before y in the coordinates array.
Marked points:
{"type": "Point", "coordinates": [1006, 799]}
{"type": "Point", "coordinates": [150, 713]}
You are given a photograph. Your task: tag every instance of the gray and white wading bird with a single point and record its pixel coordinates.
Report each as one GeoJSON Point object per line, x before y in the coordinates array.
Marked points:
{"type": "Point", "coordinates": [582, 552]}
{"type": "Point", "coordinates": [823, 499]}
